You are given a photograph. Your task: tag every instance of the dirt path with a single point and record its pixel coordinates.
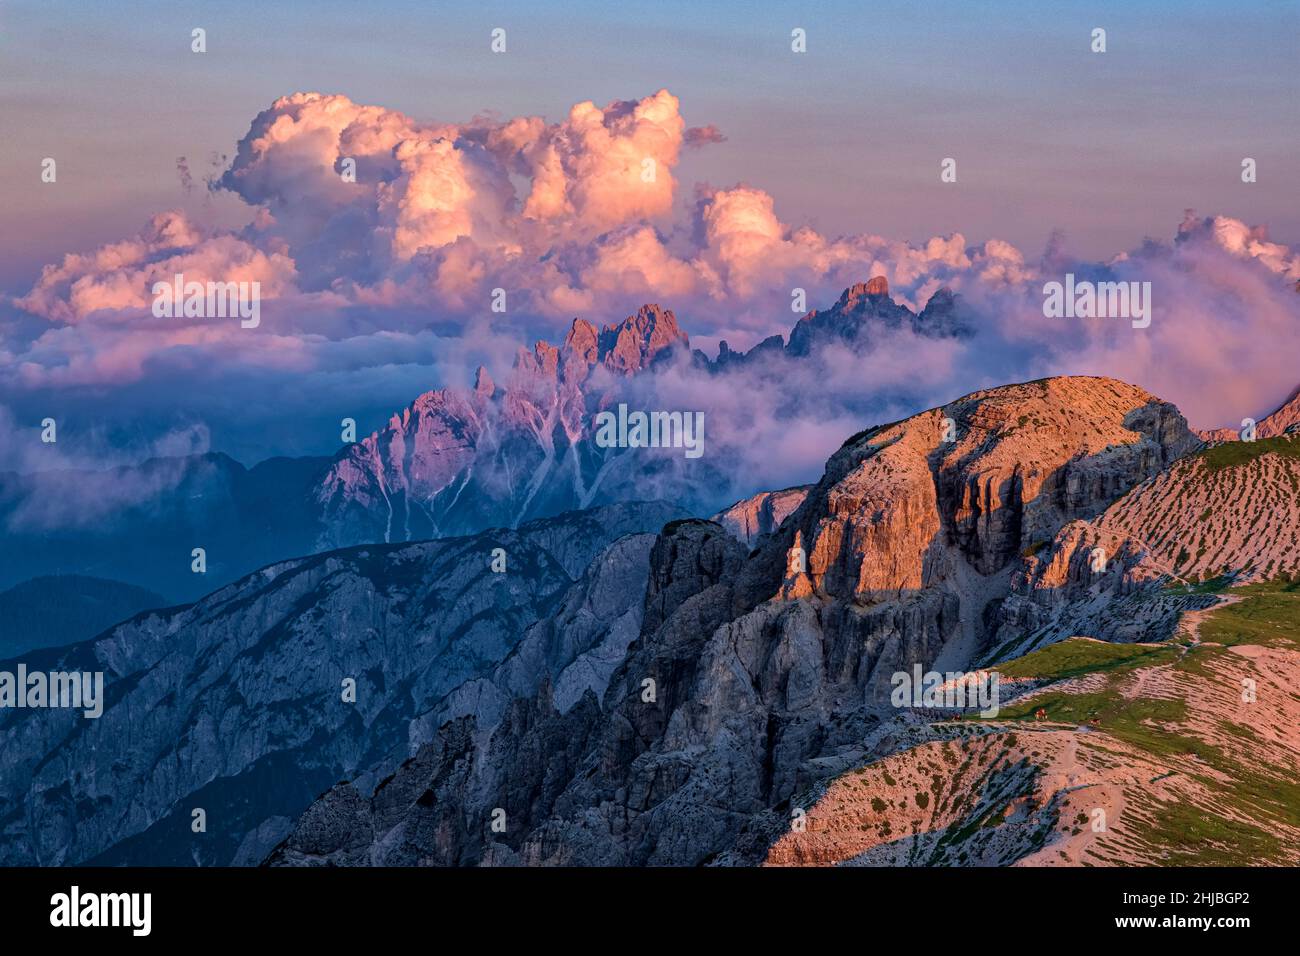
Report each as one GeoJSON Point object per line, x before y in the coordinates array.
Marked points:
{"type": "Point", "coordinates": [1190, 622]}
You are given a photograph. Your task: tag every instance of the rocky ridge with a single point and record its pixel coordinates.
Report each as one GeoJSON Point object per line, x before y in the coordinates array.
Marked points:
{"type": "Point", "coordinates": [237, 704]}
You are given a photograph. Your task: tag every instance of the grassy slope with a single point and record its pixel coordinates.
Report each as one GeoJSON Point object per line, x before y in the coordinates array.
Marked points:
{"type": "Point", "coordinates": [1233, 453]}
{"type": "Point", "coordinates": [1268, 614]}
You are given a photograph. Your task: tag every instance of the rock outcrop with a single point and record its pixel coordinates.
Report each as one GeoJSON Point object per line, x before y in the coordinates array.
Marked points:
{"type": "Point", "coordinates": [1229, 513]}
{"type": "Point", "coordinates": [761, 514]}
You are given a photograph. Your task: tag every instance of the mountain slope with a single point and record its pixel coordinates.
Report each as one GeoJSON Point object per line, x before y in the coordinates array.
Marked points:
{"type": "Point", "coordinates": [236, 704]}
{"type": "Point", "coordinates": [1183, 753]}
{"type": "Point", "coordinates": [1229, 512]}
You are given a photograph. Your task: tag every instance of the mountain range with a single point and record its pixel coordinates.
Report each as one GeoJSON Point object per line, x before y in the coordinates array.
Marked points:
{"type": "Point", "coordinates": [635, 685]}
{"type": "Point", "coordinates": [453, 462]}
{"type": "Point", "coordinates": [770, 703]}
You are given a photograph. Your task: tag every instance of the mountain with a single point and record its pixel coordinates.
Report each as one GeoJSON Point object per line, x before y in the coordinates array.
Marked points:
{"type": "Point", "coordinates": [643, 687]}
{"type": "Point", "coordinates": [760, 514]}
{"type": "Point", "coordinates": [237, 704]}
{"type": "Point", "coordinates": [866, 308]}
{"type": "Point", "coordinates": [1286, 417]}
{"type": "Point", "coordinates": [456, 461]}
{"type": "Point", "coordinates": [453, 462]}
{"type": "Point", "coordinates": [139, 524]}
{"type": "Point", "coordinates": [63, 609]}
{"type": "Point", "coordinates": [1181, 753]}
{"type": "Point", "coordinates": [1227, 514]}
{"type": "Point", "coordinates": [759, 685]}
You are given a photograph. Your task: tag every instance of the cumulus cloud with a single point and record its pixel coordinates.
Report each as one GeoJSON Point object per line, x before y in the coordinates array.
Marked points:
{"type": "Point", "coordinates": [119, 277]}
{"type": "Point", "coordinates": [368, 228]}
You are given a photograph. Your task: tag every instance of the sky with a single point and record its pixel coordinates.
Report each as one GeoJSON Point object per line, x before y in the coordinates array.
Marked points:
{"type": "Point", "coordinates": [1062, 154]}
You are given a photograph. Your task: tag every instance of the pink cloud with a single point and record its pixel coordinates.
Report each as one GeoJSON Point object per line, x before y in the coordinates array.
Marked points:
{"type": "Point", "coordinates": [576, 218]}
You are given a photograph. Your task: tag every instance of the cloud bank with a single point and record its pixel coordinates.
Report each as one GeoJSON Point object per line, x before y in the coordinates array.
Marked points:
{"type": "Point", "coordinates": [378, 241]}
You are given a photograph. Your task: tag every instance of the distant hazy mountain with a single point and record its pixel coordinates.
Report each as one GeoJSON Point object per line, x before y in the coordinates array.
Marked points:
{"type": "Point", "coordinates": [140, 524]}
{"type": "Point", "coordinates": [455, 461]}
{"type": "Point", "coordinates": [62, 609]}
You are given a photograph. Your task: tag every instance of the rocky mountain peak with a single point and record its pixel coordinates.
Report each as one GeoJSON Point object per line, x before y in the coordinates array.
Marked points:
{"type": "Point", "coordinates": [976, 482]}
{"type": "Point", "coordinates": [861, 309]}
{"type": "Point", "coordinates": [861, 294]}
{"type": "Point", "coordinates": [544, 359]}
{"type": "Point", "coordinates": [942, 316]}
{"type": "Point", "coordinates": [633, 343]}
{"type": "Point", "coordinates": [581, 344]}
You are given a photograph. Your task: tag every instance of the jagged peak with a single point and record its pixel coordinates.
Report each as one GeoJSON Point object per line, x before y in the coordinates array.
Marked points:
{"type": "Point", "coordinates": [874, 289]}
{"type": "Point", "coordinates": [631, 344]}
{"type": "Point", "coordinates": [581, 340]}
{"type": "Point", "coordinates": [943, 297]}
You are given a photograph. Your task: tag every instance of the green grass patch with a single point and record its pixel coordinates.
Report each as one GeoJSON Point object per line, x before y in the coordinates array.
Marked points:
{"type": "Point", "coordinates": [1232, 454]}
{"type": "Point", "coordinates": [1269, 614]}
{"type": "Point", "coordinates": [1076, 656]}
{"type": "Point", "coordinates": [1143, 722]}
{"type": "Point", "coordinates": [1215, 585]}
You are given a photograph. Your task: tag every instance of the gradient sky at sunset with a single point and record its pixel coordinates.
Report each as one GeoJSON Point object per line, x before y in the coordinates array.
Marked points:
{"type": "Point", "coordinates": [1066, 160]}
{"type": "Point", "coordinates": [1047, 135]}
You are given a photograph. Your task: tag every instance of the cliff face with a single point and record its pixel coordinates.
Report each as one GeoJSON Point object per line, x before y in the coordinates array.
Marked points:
{"type": "Point", "coordinates": [1230, 513]}
{"type": "Point", "coordinates": [760, 514]}
{"type": "Point", "coordinates": [238, 704]}
{"type": "Point", "coordinates": [970, 486]}
{"type": "Point", "coordinates": [756, 677]}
